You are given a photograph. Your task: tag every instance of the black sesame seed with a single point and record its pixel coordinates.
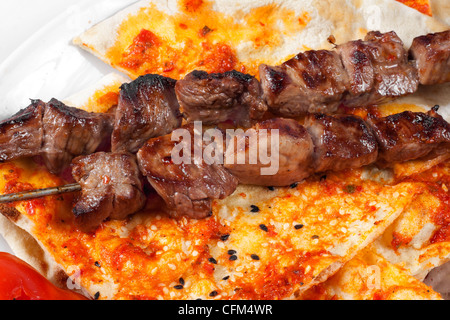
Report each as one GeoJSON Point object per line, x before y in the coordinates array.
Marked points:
{"type": "Point", "coordinates": [233, 257]}
{"type": "Point", "coordinates": [212, 260]}
{"type": "Point", "coordinates": [97, 264]}
{"type": "Point", "coordinates": [224, 237]}
{"type": "Point", "coordinates": [315, 237]}
{"type": "Point", "coordinates": [271, 188]}
{"type": "Point", "coordinates": [294, 185]}
{"type": "Point", "coordinates": [213, 293]}
{"type": "Point", "coordinates": [181, 280]}
{"type": "Point", "coordinates": [178, 287]}
{"type": "Point", "coordinates": [298, 226]}
{"type": "Point", "coordinates": [263, 227]}
{"type": "Point", "coordinates": [96, 295]}
{"type": "Point", "coordinates": [226, 278]}
{"type": "Point", "coordinates": [254, 208]}
{"type": "Point", "coordinates": [254, 257]}
{"type": "Point", "coordinates": [231, 252]}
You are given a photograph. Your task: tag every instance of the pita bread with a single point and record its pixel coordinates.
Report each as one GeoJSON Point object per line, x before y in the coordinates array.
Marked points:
{"type": "Point", "coordinates": [243, 33]}
{"type": "Point", "coordinates": [369, 276]}
{"type": "Point", "coordinates": [159, 250]}
{"type": "Point", "coordinates": [417, 240]}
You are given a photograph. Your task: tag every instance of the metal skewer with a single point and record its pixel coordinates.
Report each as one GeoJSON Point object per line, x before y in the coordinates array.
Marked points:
{"type": "Point", "coordinates": [34, 194]}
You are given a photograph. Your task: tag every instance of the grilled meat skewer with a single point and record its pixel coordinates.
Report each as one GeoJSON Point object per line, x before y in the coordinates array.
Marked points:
{"type": "Point", "coordinates": [322, 143]}
{"type": "Point", "coordinates": [356, 73]}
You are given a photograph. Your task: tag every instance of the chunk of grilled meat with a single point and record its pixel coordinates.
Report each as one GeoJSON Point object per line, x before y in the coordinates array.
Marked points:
{"type": "Point", "coordinates": [147, 108]}
{"type": "Point", "coordinates": [410, 135]}
{"type": "Point", "coordinates": [285, 154]}
{"type": "Point", "coordinates": [378, 69]}
{"type": "Point", "coordinates": [313, 81]}
{"type": "Point", "coordinates": [187, 188]}
{"type": "Point", "coordinates": [218, 97]}
{"type": "Point", "coordinates": [431, 53]}
{"type": "Point", "coordinates": [358, 73]}
{"type": "Point", "coordinates": [341, 142]}
{"type": "Point", "coordinates": [54, 131]}
{"type": "Point", "coordinates": [111, 186]}
{"type": "Point", "coordinates": [70, 132]}
{"type": "Point", "coordinates": [22, 134]}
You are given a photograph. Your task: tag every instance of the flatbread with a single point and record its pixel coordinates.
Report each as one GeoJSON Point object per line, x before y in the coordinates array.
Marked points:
{"type": "Point", "coordinates": [418, 240]}
{"type": "Point", "coordinates": [145, 256]}
{"type": "Point", "coordinates": [173, 37]}
{"type": "Point", "coordinates": [369, 276]}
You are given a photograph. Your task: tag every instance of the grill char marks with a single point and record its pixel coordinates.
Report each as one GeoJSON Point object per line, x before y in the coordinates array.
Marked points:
{"type": "Point", "coordinates": [410, 135]}
{"type": "Point", "coordinates": [187, 188]}
{"type": "Point", "coordinates": [54, 131]}
{"type": "Point", "coordinates": [341, 142]}
{"type": "Point", "coordinates": [378, 69]}
{"type": "Point", "coordinates": [111, 188]}
{"type": "Point", "coordinates": [70, 132]}
{"type": "Point", "coordinates": [293, 154]}
{"type": "Point", "coordinates": [22, 135]}
{"type": "Point", "coordinates": [312, 81]}
{"type": "Point", "coordinates": [432, 55]}
{"type": "Point", "coordinates": [218, 97]}
{"type": "Point", "coordinates": [358, 73]}
{"type": "Point", "coordinates": [147, 108]}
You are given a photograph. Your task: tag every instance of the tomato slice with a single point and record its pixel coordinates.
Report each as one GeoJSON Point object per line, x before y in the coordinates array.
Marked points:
{"type": "Point", "coordinates": [19, 281]}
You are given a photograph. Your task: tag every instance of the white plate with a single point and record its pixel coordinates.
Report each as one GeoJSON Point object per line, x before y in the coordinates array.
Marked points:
{"type": "Point", "coordinates": [47, 65]}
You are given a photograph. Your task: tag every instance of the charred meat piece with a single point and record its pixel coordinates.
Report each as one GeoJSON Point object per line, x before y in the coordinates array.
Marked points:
{"type": "Point", "coordinates": [313, 81]}
{"type": "Point", "coordinates": [70, 132]}
{"type": "Point", "coordinates": [378, 69]}
{"type": "Point", "coordinates": [432, 55]}
{"type": "Point", "coordinates": [282, 151]}
{"type": "Point", "coordinates": [218, 97]}
{"type": "Point", "coordinates": [341, 142]}
{"type": "Point", "coordinates": [147, 108]}
{"type": "Point", "coordinates": [111, 186]}
{"type": "Point", "coordinates": [22, 134]}
{"type": "Point", "coordinates": [189, 187]}
{"type": "Point", "coordinates": [410, 135]}
{"type": "Point", "coordinates": [54, 131]}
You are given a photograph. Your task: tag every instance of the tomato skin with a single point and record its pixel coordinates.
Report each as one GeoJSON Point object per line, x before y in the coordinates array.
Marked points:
{"type": "Point", "coordinates": [19, 281]}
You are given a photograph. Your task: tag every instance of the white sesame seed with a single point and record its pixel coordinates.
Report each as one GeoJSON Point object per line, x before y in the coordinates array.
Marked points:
{"type": "Point", "coordinates": [194, 253]}
{"type": "Point", "coordinates": [172, 266]}
{"type": "Point", "coordinates": [307, 269]}
{"type": "Point", "coordinates": [315, 241]}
